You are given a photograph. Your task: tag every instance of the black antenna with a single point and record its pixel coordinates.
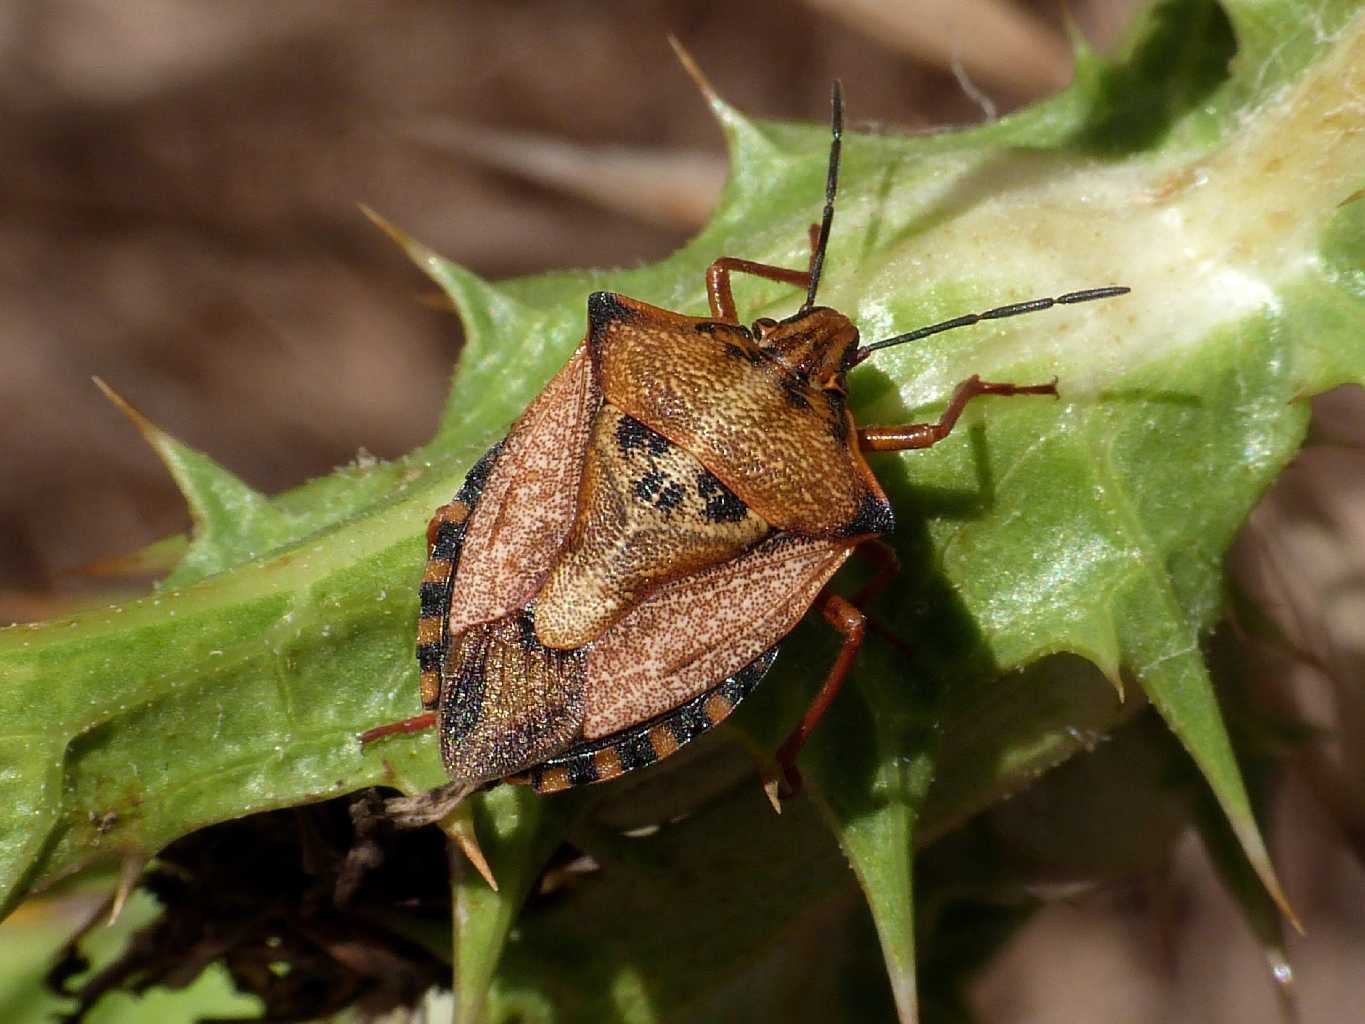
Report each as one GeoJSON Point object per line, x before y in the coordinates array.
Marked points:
{"type": "Point", "coordinates": [836, 126]}
{"type": "Point", "coordinates": [1000, 312]}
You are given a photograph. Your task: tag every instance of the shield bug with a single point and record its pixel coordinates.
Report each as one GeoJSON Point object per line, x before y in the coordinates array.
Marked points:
{"type": "Point", "coordinates": [618, 572]}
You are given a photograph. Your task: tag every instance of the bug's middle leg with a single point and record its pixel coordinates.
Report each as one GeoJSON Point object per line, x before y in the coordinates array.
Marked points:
{"type": "Point", "coordinates": [925, 435]}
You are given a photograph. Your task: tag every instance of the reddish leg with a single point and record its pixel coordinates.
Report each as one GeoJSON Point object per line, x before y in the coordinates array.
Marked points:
{"type": "Point", "coordinates": [923, 435]}
{"type": "Point", "coordinates": [849, 618]}
{"type": "Point", "coordinates": [849, 621]}
{"type": "Point", "coordinates": [418, 723]}
{"type": "Point", "coordinates": [722, 299]}
{"type": "Point", "coordinates": [883, 558]}
{"type": "Point", "coordinates": [888, 566]}
{"type": "Point", "coordinates": [718, 291]}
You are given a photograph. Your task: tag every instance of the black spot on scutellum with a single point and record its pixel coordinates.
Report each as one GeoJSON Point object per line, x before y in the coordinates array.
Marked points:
{"type": "Point", "coordinates": [722, 505]}
{"type": "Point", "coordinates": [633, 436]}
{"type": "Point", "coordinates": [671, 496]}
{"type": "Point", "coordinates": [657, 489]}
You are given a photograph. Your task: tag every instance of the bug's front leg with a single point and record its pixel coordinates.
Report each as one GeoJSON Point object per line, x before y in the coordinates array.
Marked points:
{"type": "Point", "coordinates": [925, 435]}
{"type": "Point", "coordinates": [722, 298]}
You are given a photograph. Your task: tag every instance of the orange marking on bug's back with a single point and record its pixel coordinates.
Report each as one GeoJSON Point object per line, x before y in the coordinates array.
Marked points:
{"type": "Point", "coordinates": [552, 780]}
{"type": "Point", "coordinates": [716, 708]}
{"type": "Point", "coordinates": [429, 629]}
{"type": "Point", "coordinates": [430, 690]}
{"type": "Point", "coordinates": [438, 571]}
{"type": "Point", "coordinates": [663, 741]}
{"type": "Point", "coordinates": [607, 763]}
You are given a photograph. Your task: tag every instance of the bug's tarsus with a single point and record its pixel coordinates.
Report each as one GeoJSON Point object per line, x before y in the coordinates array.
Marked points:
{"type": "Point", "coordinates": [836, 126]}
{"type": "Point", "coordinates": [998, 313]}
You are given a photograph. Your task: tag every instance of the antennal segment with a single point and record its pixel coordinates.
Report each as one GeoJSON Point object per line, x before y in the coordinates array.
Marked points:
{"type": "Point", "coordinates": [999, 313]}
{"type": "Point", "coordinates": [836, 126]}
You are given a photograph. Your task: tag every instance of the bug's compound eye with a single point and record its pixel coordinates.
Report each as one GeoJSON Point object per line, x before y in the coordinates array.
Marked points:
{"type": "Point", "coordinates": [762, 326]}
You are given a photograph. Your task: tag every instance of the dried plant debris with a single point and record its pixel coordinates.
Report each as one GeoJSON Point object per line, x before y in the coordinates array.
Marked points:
{"type": "Point", "coordinates": [312, 910]}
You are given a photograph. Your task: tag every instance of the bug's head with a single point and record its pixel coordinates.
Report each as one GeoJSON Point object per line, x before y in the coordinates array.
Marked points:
{"type": "Point", "coordinates": [817, 345]}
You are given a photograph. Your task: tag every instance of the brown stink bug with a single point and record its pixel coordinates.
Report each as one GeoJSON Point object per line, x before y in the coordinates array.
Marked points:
{"type": "Point", "coordinates": [618, 572]}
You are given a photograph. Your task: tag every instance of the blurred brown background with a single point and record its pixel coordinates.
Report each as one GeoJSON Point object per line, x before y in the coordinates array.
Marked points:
{"type": "Point", "coordinates": [178, 215]}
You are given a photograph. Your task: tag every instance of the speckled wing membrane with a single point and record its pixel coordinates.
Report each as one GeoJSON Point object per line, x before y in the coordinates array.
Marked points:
{"type": "Point", "coordinates": [690, 634]}
{"type": "Point", "coordinates": [529, 501]}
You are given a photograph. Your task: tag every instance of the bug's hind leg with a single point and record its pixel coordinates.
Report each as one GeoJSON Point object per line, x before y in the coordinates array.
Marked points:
{"type": "Point", "coordinates": [850, 617]}
{"type": "Point", "coordinates": [840, 613]}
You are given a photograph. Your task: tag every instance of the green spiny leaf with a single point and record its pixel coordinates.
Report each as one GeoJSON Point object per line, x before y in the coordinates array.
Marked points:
{"type": "Point", "coordinates": [232, 522]}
